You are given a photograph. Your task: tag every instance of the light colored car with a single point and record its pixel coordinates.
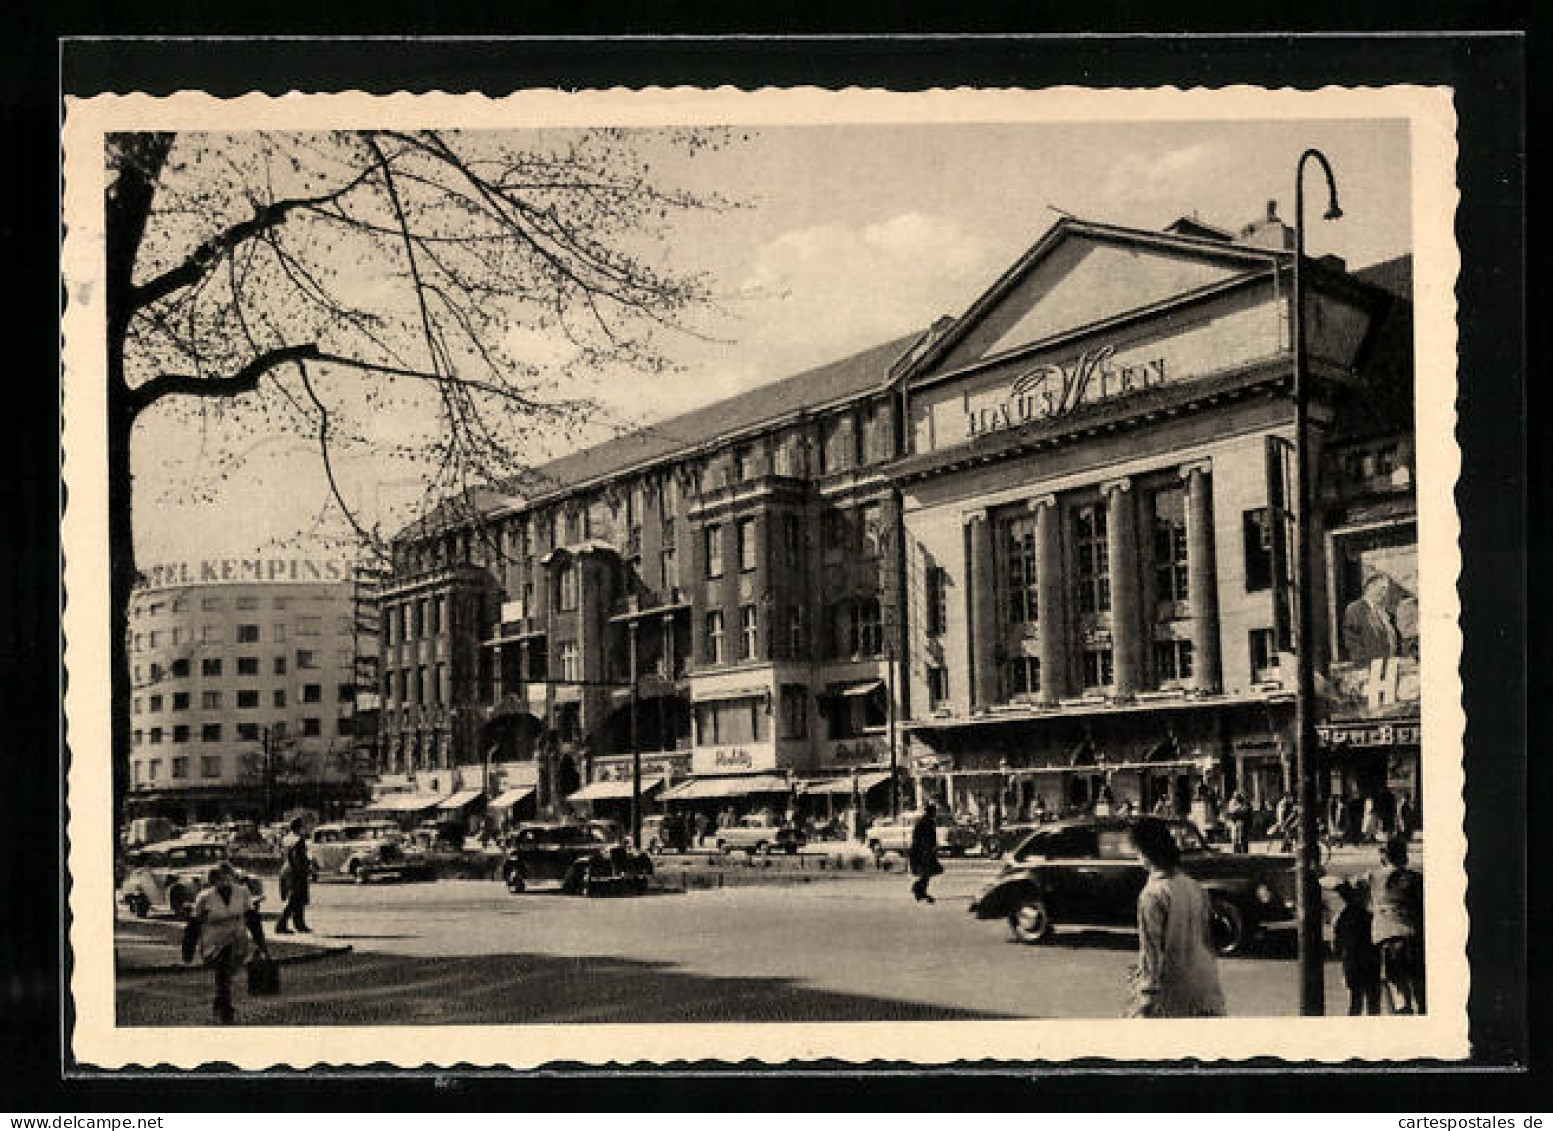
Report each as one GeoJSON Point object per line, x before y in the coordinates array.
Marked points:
{"type": "Point", "coordinates": [757, 834]}
{"type": "Point", "coordinates": [893, 834]}
{"type": "Point", "coordinates": [169, 875]}
{"type": "Point", "coordinates": [359, 849]}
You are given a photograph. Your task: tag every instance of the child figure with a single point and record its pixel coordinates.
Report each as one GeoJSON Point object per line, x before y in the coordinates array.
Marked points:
{"type": "Point", "coordinates": [1361, 957]}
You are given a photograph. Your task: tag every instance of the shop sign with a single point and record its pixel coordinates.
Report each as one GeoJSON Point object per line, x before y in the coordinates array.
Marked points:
{"type": "Point", "coordinates": [1371, 734]}
{"type": "Point", "coordinates": [1050, 390]}
{"type": "Point", "coordinates": [858, 752]}
{"type": "Point", "coordinates": [732, 758]}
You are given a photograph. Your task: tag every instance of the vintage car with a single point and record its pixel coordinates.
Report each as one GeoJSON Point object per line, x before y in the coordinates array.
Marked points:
{"type": "Point", "coordinates": [363, 850]}
{"type": "Point", "coordinates": [582, 858]}
{"type": "Point", "coordinates": [169, 875]}
{"type": "Point", "coordinates": [893, 834]}
{"type": "Point", "coordinates": [759, 835]}
{"type": "Point", "coordinates": [1085, 872]}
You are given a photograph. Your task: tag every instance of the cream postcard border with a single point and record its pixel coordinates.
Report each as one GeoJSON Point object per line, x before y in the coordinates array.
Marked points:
{"type": "Point", "coordinates": [98, 1041]}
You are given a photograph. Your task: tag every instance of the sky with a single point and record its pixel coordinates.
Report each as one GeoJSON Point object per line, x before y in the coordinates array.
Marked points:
{"type": "Point", "coordinates": [846, 236]}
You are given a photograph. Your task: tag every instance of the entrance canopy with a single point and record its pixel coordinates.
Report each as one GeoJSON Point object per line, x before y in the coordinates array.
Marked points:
{"type": "Point", "coordinates": [859, 690]}
{"type": "Point", "coordinates": [512, 797]}
{"type": "Point", "coordinates": [865, 782]}
{"type": "Point", "coordinates": [613, 790]}
{"type": "Point", "coordinates": [705, 789]}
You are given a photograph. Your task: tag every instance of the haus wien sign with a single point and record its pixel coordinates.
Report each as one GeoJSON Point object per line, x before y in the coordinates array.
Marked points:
{"type": "Point", "coordinates": [1050, 390]}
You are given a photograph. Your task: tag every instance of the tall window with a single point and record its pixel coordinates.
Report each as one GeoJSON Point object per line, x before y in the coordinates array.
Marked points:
{"type": "Point", "coordinates": [714, 550]}
{"type": "Point", "coordinates": [794, 701]}
{"type": "Point", "coordinates": [1173, 660]}
{"type": "Point", "coordinates": [571, 660]}
{"type": "Point", "coordinates": [1264, 655]}
{"type": "Point", "coordinates": [937, 600]}
{"type": "Point", "coordinates": [871, 525]}
{"type": "Point", "coordinates": [748, 631]}
{"type": "Point", "coordinates": [1022, 676]}
{"type": "Point", "coordinates": [714, 637]}
{"type": "Point", "coordinates": [857, 628]}
{"type": "Point", "coordinates": [746, 544]}
{"type": "Point", "coordinates": [937, 684]}
{"type": "Point", "coordinates": [1098, 670]}
{"type": "Point", "coordinates": [738, 465]}
{"type": "Point", "coordinates": [1171, 574]}
{"type": "Point", "coordinates": [1094, 559]}
{"type": "Point", "coordinates": [792, 540]}
{"type": "Point", "coordinates": [1258, 534]}
{"type": "Point", "coordinates": [1019, 559]}
{"type": "Point", "coordinates": [666, 567]}
{"type": "Point", "coordinates": [568, 587]}
{"type": "Point", "coordinates": [793, 621]}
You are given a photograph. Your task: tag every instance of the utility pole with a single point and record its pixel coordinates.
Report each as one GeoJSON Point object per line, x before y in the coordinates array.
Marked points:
{"type": "Point", "coordinates": [1306, 750]}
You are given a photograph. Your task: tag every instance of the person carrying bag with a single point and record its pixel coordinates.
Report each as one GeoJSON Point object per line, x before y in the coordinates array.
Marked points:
{"type": "Point", "coordinates": [221, 927]}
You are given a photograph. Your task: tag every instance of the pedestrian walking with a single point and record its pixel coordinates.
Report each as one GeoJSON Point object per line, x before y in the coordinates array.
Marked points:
{"type": "Point", "coordinates": [1369, 827]}
{"type": "Point", "coordinates": [1407, 818]}
{"type": "Point", "coordinates": [1177, 974]}
{"type": "Point", "coordinates": [1238, 814]}
{"type": "Point", "coordinates": [1397, 903]}
{"type": "Point", "coordinates": [296, 876]}
{"type": "Point", "coordinates": [923, 856]}
{"type": "Point", "coordinates": [225, 920]}
{"type": "Point", "coordinates": [1353, 940]}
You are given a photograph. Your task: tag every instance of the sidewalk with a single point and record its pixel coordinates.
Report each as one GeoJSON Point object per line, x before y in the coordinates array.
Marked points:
{"type": "Point", "coordinates": [142, 946]}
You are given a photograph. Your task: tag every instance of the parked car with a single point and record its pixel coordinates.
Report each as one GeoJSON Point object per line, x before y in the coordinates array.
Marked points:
{"type": "Point", "coordinates": [1085, 872]}
{"type": "Point", "coordinates": [893, 834]}
{"type": "Point", "coordinates": [759, 835]}
{"type": "Point", "coordinates": [149, 830]}
{"type": "Point", "coordinates": [1009, 837]}
{"type": "Point", "coordinates": [169, 875]}
{"type": "Point", "coordinates": [582, 858]}
{"type": "Point", "coordinates": [439, 836]}
{"type": "Point", "coordinates": [363, 850]}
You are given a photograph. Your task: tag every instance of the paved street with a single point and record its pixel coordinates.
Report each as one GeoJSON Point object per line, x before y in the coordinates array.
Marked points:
{"type": "Point", "coordinates": [849, 948]}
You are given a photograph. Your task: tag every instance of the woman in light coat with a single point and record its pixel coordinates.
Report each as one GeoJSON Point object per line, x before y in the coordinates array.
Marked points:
{"type": "Point", "coordinates": [1177, 975]}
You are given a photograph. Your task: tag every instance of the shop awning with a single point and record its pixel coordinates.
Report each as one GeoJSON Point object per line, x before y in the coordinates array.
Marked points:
{"type": "Point", "coordinates": [406, 802]}
{"type": "Point", "coordinates": [461, 800]}
{"type": "Point", "coordinates": [865, 782]}
{"type": "Point", "coordinates": [858, 690]}
{"type": "Point", "coordinates": [512, 797]}
{"type": "Point", "coordinates": [733, 693]}
{"type": "Point", "coordinates": [703, 789]}
{"type": "Point", "coordinates": [613, 790]}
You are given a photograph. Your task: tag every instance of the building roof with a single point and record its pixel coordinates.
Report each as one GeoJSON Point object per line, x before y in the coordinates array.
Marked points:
{"type": "Point", "coordinates": [811, 389]}
{"type": "Point", "coordinates": [1394, 276]}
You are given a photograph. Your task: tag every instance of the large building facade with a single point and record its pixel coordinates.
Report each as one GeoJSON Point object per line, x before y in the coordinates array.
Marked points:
{"type": "Point", "coordinates": [1032, 554]}
{"type": "Point", "coordinates": [253, 688]}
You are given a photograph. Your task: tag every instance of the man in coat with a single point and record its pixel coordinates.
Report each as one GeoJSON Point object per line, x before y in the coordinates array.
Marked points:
{"type": "Point", "coordinates": [296, 876]}
{"type": "Point", "coordinates": [923, 856]}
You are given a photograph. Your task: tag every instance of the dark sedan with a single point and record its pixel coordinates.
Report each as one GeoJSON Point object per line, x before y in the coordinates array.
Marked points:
{"type": "Point", "coordinates": [1085, 872]}
{"type": "Point", "coordinates": [583, 859]}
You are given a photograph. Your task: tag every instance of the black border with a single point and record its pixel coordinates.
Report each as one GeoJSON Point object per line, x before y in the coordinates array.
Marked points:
{"type": "Point", "coordinates": [1488, 75]}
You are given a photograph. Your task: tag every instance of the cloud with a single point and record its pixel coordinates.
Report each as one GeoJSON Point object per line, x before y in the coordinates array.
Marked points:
{"type": "Point", "coordinates": [1139, 174]}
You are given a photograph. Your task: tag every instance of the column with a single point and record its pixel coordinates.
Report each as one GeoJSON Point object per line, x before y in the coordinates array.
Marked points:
{"type": "Point", "coordinates": [1049, 610]}
{"type": "Point", "coordinates": [1126, 621]}
{"type": "Point", "coordinates": [982, 611]}
{"type": "Point", "coordinates": [1203, 580]}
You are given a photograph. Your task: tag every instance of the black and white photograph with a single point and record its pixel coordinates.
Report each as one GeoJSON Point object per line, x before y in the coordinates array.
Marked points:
{"type": "Point", "coordinates": [778, 575]}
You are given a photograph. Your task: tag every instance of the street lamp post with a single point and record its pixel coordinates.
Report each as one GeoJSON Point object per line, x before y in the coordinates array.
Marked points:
{"type": "Point", "coordinates": [1311, 958]}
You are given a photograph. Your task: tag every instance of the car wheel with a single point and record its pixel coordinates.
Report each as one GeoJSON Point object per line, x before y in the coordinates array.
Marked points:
{"type": "Point", "coordinates": [179, 900]}
{"type": "Point", "coordinates": [515, 883]}
{"type": "Point", "coordinates": [876, 848]}
{"type": "Point", "coordinates": [761, 849]}
{"type": "Point", "coordinates": [655, 847]}
{"type": "Point", "coordinates": [1030, 921]}
{"type": "Point", "coordinates": [358, 873]}
{"type": "Point", "coordinates": [722, 845]}
{"type": "Point", "coordinates": [1227, 925]}
{"type": "Point", "coordinates": [139, 905]}
{"type": "Point", "coordinates": [792, 848]}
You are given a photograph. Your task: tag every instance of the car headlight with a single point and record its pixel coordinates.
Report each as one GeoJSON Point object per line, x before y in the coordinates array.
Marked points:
{"type": "Point", "coordinates": [1265, 894]}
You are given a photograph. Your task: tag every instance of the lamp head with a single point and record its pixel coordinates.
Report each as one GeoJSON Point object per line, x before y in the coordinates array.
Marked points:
{"type": "Point", "coordinates": [1333, 213]}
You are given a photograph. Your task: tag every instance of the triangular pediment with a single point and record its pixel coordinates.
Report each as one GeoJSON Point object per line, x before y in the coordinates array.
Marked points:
{"type": "Point", "coordinates": [1079, 279]}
